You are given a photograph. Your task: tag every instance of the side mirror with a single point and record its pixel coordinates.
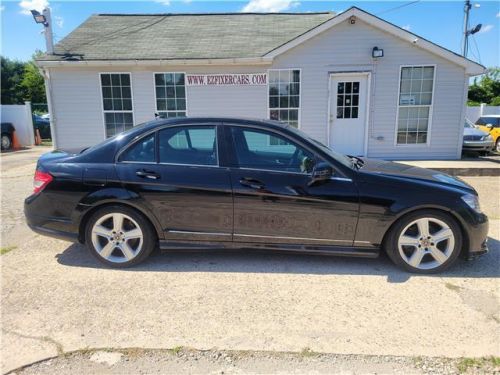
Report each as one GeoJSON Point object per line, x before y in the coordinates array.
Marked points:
{"type": "Point", "coordinates": [321, 173]}
{"type": "Point", "coordinates": [489, 126]}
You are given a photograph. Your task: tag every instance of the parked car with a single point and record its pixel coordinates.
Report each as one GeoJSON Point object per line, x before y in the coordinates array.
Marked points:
{"type": "Point", "coordinates": [43, 126]}
{"type": "Point", "coordinates": [7, 135]}
{"type": "Point", "coordinates": [191, 183]}
{"type": "Point", "coordinates": [476, 140]}
{"type": "Point", "coordinates": [491, 125]}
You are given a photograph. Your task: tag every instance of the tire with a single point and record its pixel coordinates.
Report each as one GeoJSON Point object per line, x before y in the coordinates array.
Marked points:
{"type": "Point", "coordinates": [119, 246]}
{"type": "Point", "coordinates": [6, 141]}
{"type": "Point", "coordinates": [427, 253]}
{"type": "Point", "coordinates": [497, 145]}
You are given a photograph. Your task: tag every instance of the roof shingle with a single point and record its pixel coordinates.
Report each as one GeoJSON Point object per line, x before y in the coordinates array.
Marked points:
{"type": "Point", "coordinates": [184, 36]}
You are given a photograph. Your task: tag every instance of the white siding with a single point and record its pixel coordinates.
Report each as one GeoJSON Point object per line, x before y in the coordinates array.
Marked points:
{"type": "Point", "coordinates": [345, 47]}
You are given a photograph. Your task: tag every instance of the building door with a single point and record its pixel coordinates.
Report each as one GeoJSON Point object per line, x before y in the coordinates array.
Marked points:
{"type": "Point", "coordinates": [348, 113]}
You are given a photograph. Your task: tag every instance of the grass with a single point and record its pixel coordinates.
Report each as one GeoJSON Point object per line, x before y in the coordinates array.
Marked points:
{"type": "Point", "coordinates": [486, 363]}
{"type": "Point", "coordinates": [451, 286]}
{"type": "Point", "coordinates": [176, 349]}
{"type": "Point", "coordinates": [307, 352]}
{"type": "Point", "coordinates": [46, 142]}
{"type": "Point", "coordinates": [6, 249]}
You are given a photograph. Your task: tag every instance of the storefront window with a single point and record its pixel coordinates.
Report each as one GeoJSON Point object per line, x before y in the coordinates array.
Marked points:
{"type": "Point", "coordinates": [170, 94]}
{"type": "Point", "coordinates": [284, 95]}
{"type": "Point", "coordinates": [415, 104]}
{"type": "Point", "coordinates": [116, 102]}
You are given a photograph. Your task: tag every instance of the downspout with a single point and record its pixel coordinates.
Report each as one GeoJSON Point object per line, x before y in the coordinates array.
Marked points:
{"type": "Point", "coordinates": [48, 92]}
{"type": "Point", "coordinates": [462, 116]}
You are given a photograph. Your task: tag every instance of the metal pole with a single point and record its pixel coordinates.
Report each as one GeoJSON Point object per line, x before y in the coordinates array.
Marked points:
{"type": "Point", "coordinates": [49, 41]}
{"type": "Point", "coordinates": [465, 45]}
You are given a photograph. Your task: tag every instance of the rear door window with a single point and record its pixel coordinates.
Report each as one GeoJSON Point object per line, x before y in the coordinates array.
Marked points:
{"type": "Point", "coordinates": [188, 145]}
{"type": "Point", "coordinates": [142, 151]}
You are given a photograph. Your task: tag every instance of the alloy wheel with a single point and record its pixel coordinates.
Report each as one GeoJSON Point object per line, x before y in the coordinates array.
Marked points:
{"type": "Point", "coordinates": [117, 237]}
{"type": "Point", "coordinates": [426, 243]}
{"type": "Point", "coordinates": [497, 145]}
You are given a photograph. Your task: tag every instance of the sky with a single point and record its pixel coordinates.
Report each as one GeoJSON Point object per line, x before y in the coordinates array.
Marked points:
{"type": "Point", "coordinates": [438, 21]}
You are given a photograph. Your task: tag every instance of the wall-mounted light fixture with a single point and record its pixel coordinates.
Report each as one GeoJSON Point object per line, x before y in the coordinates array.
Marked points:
{"type": "Point", "coordinates": [377, 52]}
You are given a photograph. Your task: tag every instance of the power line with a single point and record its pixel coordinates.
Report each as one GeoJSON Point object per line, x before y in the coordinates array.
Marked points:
{"type": "Point", "coordinates": [477, 48]}
{"type": "Point", "coordinates": [398, 7]}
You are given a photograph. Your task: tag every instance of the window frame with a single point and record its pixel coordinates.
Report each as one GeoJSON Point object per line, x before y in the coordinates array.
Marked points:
{"type": "Point", "coordinates": [157, 145]}
{"type": "Point", "coordinates": [103, 111]}
{"type": "Point", "coordinates": [431, 106]}
{"type": "Point", "coordinates": [185, 92]}
{"type": "Point", "coordinates": [299, 114]}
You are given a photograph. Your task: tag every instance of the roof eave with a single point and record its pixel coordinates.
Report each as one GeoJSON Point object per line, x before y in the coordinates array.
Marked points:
{"type": "Point", "coordinates": [471, 68]}
{"type": "Point", "coordinates": [157, 62]}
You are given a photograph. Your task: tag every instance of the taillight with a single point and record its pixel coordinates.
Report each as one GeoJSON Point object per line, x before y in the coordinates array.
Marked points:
{"type": "Point", "coordinates": [41, 180]}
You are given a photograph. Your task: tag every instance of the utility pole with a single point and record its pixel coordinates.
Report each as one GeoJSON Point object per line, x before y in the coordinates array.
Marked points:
{"type": "Point", "coordinates": [468, 32]}
{"type": "Point", "coordinates": [49, 40]}
{"type": "Point", "coordinates": [465, 42]}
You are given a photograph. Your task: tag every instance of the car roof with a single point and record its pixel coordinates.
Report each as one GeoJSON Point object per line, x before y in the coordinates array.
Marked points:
{"type": "Point", "coordinates": [215, 121]}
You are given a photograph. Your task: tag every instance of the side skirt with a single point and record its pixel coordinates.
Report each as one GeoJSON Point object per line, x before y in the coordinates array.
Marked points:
{"type": "Point", "coordinates": [306, 249]}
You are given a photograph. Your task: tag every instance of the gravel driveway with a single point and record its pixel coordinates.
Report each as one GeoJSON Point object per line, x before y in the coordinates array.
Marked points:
{"type": "Point", "coordinates": [56, 298]}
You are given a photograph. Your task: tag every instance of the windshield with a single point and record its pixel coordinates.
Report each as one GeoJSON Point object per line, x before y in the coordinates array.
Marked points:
{"type": "Point", "coordinates": [341, 158]}
{"type": "Point", "coordinates": [468, 124]}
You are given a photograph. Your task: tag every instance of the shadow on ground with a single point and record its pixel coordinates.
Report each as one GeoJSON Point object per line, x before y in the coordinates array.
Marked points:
{"type": "Point", "coordinates": [250, 261]}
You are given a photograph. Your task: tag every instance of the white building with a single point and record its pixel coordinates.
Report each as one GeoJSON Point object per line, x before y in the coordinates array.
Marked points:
{"type": "Point", "coordinates": [353, 81]}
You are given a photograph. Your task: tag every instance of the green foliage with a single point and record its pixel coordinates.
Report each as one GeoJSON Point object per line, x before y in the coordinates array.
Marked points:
{"type": "Point", "coordinates": [487, 89]}
{"type": "Point", "coordinates": [12, 73]}
{"type": "Point", "coordinates": [21, 81]}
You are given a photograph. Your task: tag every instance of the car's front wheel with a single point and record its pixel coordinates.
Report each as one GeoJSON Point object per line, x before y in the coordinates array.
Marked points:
{"type": "Point", "coordinates": [426, 241]}
{"type": "Point", "coordinates": [119, 236]}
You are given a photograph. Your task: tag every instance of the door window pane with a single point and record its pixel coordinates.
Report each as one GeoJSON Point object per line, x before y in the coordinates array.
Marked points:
{"type": "Point", "coordinates": [141, 151]}
{"type": "Point", "coordinates": [195, 145]}
{"type": "Point", "coordinates": [347, 99]}
{"type": "Point", "coordinates": [259, 149]}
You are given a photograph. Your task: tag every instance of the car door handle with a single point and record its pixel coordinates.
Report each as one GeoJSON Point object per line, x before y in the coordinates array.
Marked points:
{"type": "Point", "coordinates": [147, 174]}
{"type": "Point", "coordinates": [252, 183]}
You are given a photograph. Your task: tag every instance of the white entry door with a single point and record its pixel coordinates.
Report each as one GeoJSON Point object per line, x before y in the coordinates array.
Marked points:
{"type": "Point", "coordinates": [348, 111]}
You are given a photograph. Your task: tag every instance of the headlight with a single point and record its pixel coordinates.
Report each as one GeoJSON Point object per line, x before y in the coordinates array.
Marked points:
{"type": "Point", "coordinates": [472, 201]}
{"type": "Point", "coordinates": [488, 138]}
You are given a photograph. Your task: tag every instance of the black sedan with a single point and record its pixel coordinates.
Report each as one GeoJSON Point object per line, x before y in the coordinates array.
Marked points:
{"type": "Point", "coordinates": [197, 183]}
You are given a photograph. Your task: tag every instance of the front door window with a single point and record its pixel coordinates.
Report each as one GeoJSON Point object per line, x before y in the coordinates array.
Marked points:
{"type": "Point", "coordinates": [259, 149]}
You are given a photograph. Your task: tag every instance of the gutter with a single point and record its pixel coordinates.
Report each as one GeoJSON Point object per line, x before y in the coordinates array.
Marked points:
{"type": "Point", "coordinates": [48, 92]}
{"type": "Point", "coordinates": [160, 62]}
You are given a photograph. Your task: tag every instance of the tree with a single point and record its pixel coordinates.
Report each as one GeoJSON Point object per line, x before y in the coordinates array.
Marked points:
{"type": "Point", "coordinates": [487, 89]}
{"type": "Point", "coordinates": [32, 84]}
{"type": "Point", "coordinates": [21, 81]}
{"type": "Point", "coordinates": [11, 75]}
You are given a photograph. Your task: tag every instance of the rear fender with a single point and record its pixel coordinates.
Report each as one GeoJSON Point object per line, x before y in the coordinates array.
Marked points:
{"type": "Point", "coordinates": [107, 197]}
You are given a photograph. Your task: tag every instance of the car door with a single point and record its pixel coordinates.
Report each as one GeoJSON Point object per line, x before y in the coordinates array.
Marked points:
{"type": "Point", "coordinates": [175, 173]}
{"type": "Point", "coordinates": [273, 199]}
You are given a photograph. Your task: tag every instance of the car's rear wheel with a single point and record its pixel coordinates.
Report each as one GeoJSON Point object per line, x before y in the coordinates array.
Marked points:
{"type": "Point", "coordinates": [426, 241]}
{"type": "Point", "coordinates": [6, 142]}
{"type": "Point", "coordinates": [119, 236]}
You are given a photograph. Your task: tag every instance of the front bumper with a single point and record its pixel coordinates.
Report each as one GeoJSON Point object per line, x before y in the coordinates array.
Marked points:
{"type": "Point", "coordinates": [478, 145]}
{"type": "Point", "coordinates": [477, 233]}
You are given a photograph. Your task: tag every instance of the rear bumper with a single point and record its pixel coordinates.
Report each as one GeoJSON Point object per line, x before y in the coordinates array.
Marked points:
{"type": "Point", "coordinates": [56, 227]}
{"type": "Point", "coordinates": [60, 235]}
